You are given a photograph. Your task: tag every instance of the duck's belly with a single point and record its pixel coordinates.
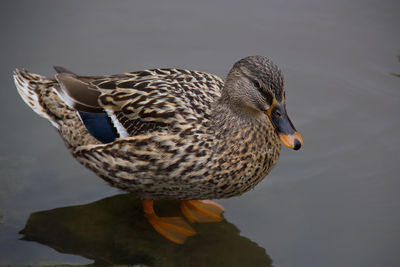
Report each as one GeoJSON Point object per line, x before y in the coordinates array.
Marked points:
{"type": "Point", "coordinates": [211, 179]}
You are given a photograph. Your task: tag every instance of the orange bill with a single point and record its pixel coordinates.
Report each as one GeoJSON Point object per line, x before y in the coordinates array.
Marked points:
{"type": "Point", "coordinates": [293, 141]}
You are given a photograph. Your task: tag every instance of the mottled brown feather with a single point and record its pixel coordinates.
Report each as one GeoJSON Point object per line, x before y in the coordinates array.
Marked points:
{"type": "Point", "coordinates": [184, 142]}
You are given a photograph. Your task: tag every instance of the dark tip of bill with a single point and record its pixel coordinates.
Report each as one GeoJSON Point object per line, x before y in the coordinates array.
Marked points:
{"type": "Point", "coordinates": [297, 144]}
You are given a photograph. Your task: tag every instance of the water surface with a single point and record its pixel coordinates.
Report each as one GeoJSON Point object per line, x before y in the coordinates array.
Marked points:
{"type": "Point", "coordinates": [333, 203]}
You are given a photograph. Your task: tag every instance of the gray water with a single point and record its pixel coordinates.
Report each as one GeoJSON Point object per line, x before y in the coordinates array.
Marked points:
{"type": "Point", "coordinates": [333, 203]}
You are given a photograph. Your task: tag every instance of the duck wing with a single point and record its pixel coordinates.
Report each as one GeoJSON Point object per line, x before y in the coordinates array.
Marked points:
{"type": "Point", "coordinates": [130, 104]}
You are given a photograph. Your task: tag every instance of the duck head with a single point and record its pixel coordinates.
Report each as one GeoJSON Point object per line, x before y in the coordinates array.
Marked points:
{"type": "Point", "coordinates": [255, 87]}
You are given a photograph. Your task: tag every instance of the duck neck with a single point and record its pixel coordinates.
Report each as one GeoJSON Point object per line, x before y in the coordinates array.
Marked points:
{"type": "Point", "coordinates": [227, 117]}
{"type": "Point", "coordinates": [234, 130]}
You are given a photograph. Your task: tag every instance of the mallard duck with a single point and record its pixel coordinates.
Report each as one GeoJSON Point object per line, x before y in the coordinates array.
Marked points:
{"type": "Point", "coordinates": [171, 133]}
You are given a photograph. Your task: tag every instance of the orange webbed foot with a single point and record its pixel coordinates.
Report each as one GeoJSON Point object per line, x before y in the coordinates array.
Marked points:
{"type": "Point", "coordinates": [202, 210]}
{"type": "Point", "coordinates": [175, 229]}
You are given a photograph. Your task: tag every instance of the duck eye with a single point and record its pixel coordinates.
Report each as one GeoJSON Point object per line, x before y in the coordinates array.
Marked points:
{"type": "Point", "coordinates": [256, 84]}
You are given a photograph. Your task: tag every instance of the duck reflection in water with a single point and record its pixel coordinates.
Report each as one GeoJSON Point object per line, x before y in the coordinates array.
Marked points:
{"type": "Point", "coordinates": [114, 231]}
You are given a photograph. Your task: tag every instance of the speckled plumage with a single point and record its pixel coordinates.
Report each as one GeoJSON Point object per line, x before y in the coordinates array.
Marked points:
{"type": "Point", "coordinates": [183, 135]}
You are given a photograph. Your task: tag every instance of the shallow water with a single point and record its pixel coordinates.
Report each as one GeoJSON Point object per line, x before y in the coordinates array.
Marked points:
{"type": "Point", "coordinates": [333, 203]}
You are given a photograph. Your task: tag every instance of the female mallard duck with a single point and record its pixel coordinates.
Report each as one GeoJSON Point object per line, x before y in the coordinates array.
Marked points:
{"type": "Point", "coordinates": [171, 133]}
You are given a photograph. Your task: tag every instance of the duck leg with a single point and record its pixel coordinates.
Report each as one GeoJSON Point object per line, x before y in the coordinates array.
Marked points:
{"type": "Point", "coordinates": [202, 210]}
{"type": "Point", "coordinates": [175, 229]}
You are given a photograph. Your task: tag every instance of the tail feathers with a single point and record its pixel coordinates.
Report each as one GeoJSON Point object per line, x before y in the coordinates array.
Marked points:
{"type": "Point", "coordinates": [29, 88]}
{"type": "Point", "coordinates": [40, 93]}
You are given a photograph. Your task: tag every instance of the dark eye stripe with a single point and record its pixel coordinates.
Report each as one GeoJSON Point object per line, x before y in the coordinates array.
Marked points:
{"type": "Point", "coordinates": [267, 95]}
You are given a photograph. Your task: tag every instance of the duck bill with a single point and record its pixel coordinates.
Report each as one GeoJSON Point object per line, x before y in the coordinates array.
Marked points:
{"type": "Point", "coordinates": [284, 127]}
